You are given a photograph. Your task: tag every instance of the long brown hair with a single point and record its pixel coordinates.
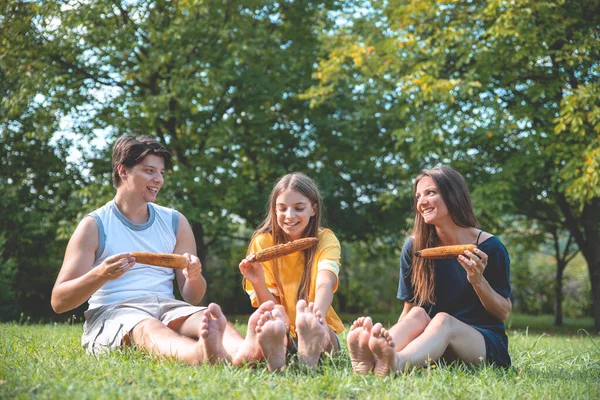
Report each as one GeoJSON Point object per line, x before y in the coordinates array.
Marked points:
{"type": "Point", "coordinates": [453, 189]}
{"type": "Point", "coordinates": [304, 185]}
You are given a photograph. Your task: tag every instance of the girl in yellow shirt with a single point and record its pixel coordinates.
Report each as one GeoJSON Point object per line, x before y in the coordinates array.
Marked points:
{"type": "Point", "coordinates": [301, 284]}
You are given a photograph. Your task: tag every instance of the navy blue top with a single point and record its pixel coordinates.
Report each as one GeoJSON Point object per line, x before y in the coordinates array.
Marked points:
{"type": "Point", "coordinates": [453, 292]}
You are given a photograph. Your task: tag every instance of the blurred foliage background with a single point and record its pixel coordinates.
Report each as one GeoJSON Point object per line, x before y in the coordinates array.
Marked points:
{"type": "Point", "coordinates": [360, 95]}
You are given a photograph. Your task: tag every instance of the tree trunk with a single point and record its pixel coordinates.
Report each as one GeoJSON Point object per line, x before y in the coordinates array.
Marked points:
{"type": "Point", "coordinates": [586, 231]}
{"type": "Point", "coordinates": [558, 311]}
{"type": "Point", "coordinates": [594, 269]}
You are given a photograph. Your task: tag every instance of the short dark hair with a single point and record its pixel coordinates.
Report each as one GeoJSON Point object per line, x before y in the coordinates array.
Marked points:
{"type": "Point", "coordinates": [130, 151]}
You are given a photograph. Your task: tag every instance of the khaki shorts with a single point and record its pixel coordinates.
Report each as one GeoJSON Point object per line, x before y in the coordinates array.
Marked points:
{"type": "Point", "coordinates": [106, 326]}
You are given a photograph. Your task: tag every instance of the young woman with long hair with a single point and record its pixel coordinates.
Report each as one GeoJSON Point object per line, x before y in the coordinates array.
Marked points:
{"type": "Point", "coordinates": [300, 284]}
{"type": "Point", "coordinates": [453, 308]}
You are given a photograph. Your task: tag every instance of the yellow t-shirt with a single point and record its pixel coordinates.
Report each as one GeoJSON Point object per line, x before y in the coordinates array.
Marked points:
{"type": "Point", "coordinates": [283, 275]}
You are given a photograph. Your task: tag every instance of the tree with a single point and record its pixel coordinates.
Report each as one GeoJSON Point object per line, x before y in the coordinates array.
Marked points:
{"type": "Point", "coordinates": [506, 92]}
{"type": "Point", "coordinates": [218, 83]}
{"type": "Point", "coordinates": [37, 182]}
{"type": "Point", "coordinates": [563, 257]}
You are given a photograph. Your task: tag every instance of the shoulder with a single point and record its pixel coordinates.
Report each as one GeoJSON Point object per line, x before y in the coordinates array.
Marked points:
{"type": "Point", "coordinates": [86, 234]}
{"type": "Point", "coordinates": [163, 210]}
{"type": "Point", "coordinates": [484, 236]}
{"type": "Point", "coordinates": [102, 211]}
{"type": "Point", "coordinates": [407, 253]}
{"type": "Point", "coordinates": [263, 240]}
{"type": "Point", "coordinates": [327, 237]}
{"type": "Point", "coordinates": [88, 224]}
{"type": "Point", "coordinates": [180, 223]}
{"type": "Point", "coordinates": [408, 244]}
{"type": "Point", "coordinates": [492, 244]}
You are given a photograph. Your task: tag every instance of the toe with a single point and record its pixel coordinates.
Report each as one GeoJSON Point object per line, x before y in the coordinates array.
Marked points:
{"type": "Point", "coordinates": [276, 314]}
{"type": "Point", "coordinates": [376, 331]}
{"type": "Point", "coordinates": [300, 306]}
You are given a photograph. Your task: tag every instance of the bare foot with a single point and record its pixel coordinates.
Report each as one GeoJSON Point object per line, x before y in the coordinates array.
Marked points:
{"type": "Point", "coordinates": [250, 350]}
{"type": "Point", "coordinates": [383, 348]}
{"type": "Point", "coordinates": [361, 355]}
{"type": "Point", "coordinates": [270, 331]}
{"type": "Point", "coordinates": [212, 328]}
{"type": "Point", "coordinates": [313, 334]}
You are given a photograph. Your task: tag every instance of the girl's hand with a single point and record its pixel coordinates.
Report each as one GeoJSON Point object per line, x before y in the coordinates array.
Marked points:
{"type": "Point", "coordinates": [115, 266]}
{"type": "Point", "coordinates": [193, 271]}
{"type": "Point", "coordinates": [252, 270]}
{"type": "Point", "coordinates": [474, 263]}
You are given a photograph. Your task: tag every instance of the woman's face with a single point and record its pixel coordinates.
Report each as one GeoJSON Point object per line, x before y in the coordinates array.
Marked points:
{"type": "Point", "coordinates": [293, 212]}
{"type": "Point", "coordinates": [430, 203]}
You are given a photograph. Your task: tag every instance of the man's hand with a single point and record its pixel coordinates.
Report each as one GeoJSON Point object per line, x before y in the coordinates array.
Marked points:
{"type": "Point", "coordinates": [193, 271]}
{"type": "Point", "coordinates": [115, 266]}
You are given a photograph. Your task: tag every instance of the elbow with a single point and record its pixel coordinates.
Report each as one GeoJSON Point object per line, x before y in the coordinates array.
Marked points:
{"type": "Point", "coordinates": [57, 305]}
{"type": "Point", "coordinates": [326, 287]}
{"type": "Point", "coordinates": [506, 311]}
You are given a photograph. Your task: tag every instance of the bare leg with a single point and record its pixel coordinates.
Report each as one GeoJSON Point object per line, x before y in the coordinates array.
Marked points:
{"type": "Point", "coordinates": [270, 331]}
{"type": "Point", "coordinates": [444, 336]}
{"type": "Point", "coordinates": [410, 327]}
{"type": "Point", "coordinates": [250, 350]}
{"type": "Point", "coordinates": [361, 356]}
{"type": "Point", "coordinates": [313, 334]}
{"type": "Point", "coordinates": [156, 338]}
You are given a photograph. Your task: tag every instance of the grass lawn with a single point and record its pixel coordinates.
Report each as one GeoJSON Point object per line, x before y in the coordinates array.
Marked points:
{"type": "Point", "coordinates": [46, 361]}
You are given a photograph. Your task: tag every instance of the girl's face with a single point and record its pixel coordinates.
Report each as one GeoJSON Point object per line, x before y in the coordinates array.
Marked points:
{"type": "Point", "coordinates": [430, 203]}
{"type": "Point", "coordinates": [293, 211]}
{"type": "Point", "coordinates": [145, 178]}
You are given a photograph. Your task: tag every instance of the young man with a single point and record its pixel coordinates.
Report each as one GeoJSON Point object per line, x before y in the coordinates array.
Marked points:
{"type": "Point", "coordinates": [134, 303]}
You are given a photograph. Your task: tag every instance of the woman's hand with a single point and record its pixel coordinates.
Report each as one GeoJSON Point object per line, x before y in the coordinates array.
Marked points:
{"type": "Point", "coordinates": [115, 266]}
{"type": "Point", "coordinates": [193, 271]}
{"type": "Point", "coordinates": [252, 270]}
{"type": "Point", "coordinates": [474, 263]}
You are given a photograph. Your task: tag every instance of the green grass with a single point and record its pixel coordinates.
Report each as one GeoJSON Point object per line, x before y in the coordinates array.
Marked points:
{"type": "Point", "coordinates": [46, 361]}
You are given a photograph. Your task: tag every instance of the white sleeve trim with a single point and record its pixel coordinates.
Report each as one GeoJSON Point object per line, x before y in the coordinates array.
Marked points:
{"type": "Point", "coordinates": [329, 265]}
{"type": "Point", "coordinates": [252, 293]}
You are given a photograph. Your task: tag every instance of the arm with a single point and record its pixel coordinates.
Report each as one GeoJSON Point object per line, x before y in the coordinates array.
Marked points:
{"type": "Point", "coordinates": [406, 309]}
{"type": "Point", "coordinates": [496, 304]}
{"type": "Point", "coordinates": [192, 284]}
{"type": "Point", "coordinates": [255, 274]}
{"type": "Point", "coordinates": [77, 281]}
{"type": "Point", "coordinates": [500, 307]}
{"type": "Point", "coordinates": [326, 281]}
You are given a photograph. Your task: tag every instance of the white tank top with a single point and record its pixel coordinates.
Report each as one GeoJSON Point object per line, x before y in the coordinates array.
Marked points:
{"type": "Point", "coordinates": [117, 234]}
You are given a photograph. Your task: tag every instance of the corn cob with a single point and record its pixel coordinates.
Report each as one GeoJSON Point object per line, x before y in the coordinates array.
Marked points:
{"type": "Point", "coordinates": [284, 249]}
{"type": "Point", "coordinates": [168, 260]}
{"type": "Point", "coordinates": [436, 253]}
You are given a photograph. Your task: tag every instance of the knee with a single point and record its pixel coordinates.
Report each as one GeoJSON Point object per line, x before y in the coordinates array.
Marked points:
{"type": "Point", "coordinates": [418, 315]}
{"type": "Point", "coordinates": [143, 328]}
{"type": "Point", "coordinates": [442, 321]}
